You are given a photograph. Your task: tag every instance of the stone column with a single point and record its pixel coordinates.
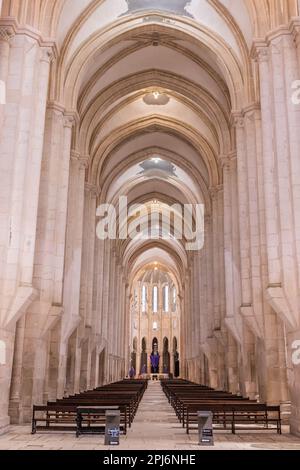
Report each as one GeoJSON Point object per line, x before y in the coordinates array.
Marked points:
{"type": "Point", "coordinates": [193, 294]}
{"type": "Point", "coordinates": [88, 251]}
{"type": "Point", "coordinates": [105, 290]}
{"type": "Point", "coordinates": [232, 364]}
{"type": "Point", "coordinates": [127, 328]}
{"type": "Point", "coordinates": [209, 273]}
{"type": "Point", "coordinates": [293, 361]}
{"type": "Point", "coordinates": [123, 318]}
{"type": "Point", "coordinates": [295, 30]}
{"type": "Point", "coordinates": [72, 265]}
{"type": "Point", "coordinates": [16, 378]}
{"type": "Point", "coordinates": [118, 311]}
{"type": "Point", "coordinates": [214, 192]}
{"type": "Point", "coordinates": [111, 302]}
{"type": "Point", "coordinates": [227, 238]}
{"type": "Point", "coordinates": [74, 244]}
{"type": "Point", "coordinates": [27, 74]}
{"type": "Point", "coordinates": [6, 34]}
{"type": "Point", "coordinates": [243, 210]}
{"type": "Point", "coordinates": [270, 186]}
{"type": "Point", "coordinates": [285, 155]}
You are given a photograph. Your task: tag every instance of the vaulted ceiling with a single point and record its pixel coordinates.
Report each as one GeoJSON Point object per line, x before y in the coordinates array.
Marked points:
{"type": "Point", "coordinates": [153, 85]}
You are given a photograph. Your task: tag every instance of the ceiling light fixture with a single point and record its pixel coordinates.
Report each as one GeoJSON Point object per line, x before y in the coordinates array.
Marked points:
{"type": "Point", "coordinates": [156, 95]}
{"type": "Point", "coordinates": [156, 160]}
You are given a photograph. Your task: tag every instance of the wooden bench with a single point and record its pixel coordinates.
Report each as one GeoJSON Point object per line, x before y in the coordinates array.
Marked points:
{"type": "Point", "coordinates": [250, 416]}
{"type": "Point", "coordinates": [92, 419]}
{"type": "Point", "coordinates": [65, 418]}
{"type": "Point", "coordinates": [230, 411]}
{"type": "Point", "coordinates": [62, 415]}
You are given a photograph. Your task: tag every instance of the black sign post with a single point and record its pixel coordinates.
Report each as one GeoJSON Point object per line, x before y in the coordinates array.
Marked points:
{"type": "Point", "coordinates": [112, 428]}
{"type": "Point", "coordinates": [205, 427]}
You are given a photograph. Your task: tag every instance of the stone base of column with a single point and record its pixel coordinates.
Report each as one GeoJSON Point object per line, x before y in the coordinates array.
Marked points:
{"type": "Point", "coordinates": [295, 426]}
{"type": "Point", "coordinates": [15, 412]}
{"type": "Point", "coordinates": [4, 424]}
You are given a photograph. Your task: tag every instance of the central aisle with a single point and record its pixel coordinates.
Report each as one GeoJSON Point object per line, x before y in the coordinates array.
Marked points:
{"type": "Point", "coordinates": [155, 425]}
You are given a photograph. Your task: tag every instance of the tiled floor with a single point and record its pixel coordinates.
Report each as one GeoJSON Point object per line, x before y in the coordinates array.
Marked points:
{"type": "Point", "coordinates": [155, 428]}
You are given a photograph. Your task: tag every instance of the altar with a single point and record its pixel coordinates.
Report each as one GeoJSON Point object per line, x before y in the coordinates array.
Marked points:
{"type": "Point", "coordinates": [159, 376]}
{"type": "Point", "coordinates": [155, 376]}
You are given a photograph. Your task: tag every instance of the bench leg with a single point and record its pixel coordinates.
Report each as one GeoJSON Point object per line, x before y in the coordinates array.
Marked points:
{"type": "Point", "coordinates": [33, 427]}
{"type": "Point", "coordinates": [278, 427]}
{"type": "Point", "coordinates": [232, 427]}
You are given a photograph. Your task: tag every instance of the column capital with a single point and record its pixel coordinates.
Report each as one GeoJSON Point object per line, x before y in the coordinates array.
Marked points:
{"type": "Point", "coordinates": [48, 54]}
{"type": "Point", "coordinates": [294, 28]}
{"type": "Point", "coordinates": [92, 189]}
{"type": "Point", "coordinates": [71, 116]}
{"type": "Point", "coordinates": [75, 155]}
{"type": "Point", "coordinates": [83, 161]}
{"type": "Point", "coordinates": [227, 159]}
{"type": "Point", "coordinates": [276, 36]}
{"type": "Point", "coordinates": [251, 111]}
{"type": "Point", "coordinates": [69, 120]}
{"type": "Point", "coordinates": [56, 107]}
{"type": "Point", "coordinates": [237, 120]}
{"type": "Point", "coordinates": [207, 219]}
{"type": "Point", "coordinates": [215, 190]}
{"type": "Point", "coordinates": [260, 51]}
{"type": "Point", "coordinates": [6, 33]}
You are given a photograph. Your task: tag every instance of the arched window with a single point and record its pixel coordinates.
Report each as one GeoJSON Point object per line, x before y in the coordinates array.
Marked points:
{"type": "Point", "coordinates": [166, 298]}
{"type": "Point", "coordinates": [174, 300]}
{"type": "Point", "coordinates": [144, 299]}
{"type": "Point", "coordinates": [2, 353]}
{"type": "Point", "coordinates": [155, 299]}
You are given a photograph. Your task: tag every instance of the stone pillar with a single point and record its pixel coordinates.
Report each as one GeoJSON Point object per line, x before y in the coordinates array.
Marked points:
{"type": "Point", "coordinates": [217, 259]}
{"type": "Point", "coordinates": [127, 329]}
{"type": "Point", "coordinates": [105, 290]}
{"type": "Point", "coordinates": [208, 252]}
{"type": "Point", "coordinates": [111, 303]}
{"type": "Point", "coordinates": [27, 73]}
{"type": "Point", "coordinates": [293, 361]}
{"type": "Point", "coordinates": [270, 187]}
{"type": "Point", "coordinates": [227, 239]}
{"type": "Point", "coordinates": [6, 34]}
{"type": "Point", "coordinates": [232, 364]}
{"type": "Point", "coordinates": [243, 210]}
{"type": "Point", "coordinates": [72, 266]}
{"type": "Point", "coordinates": [7, 347]}
{"type": "Point", "coordinates": [283, 169]}
{"type": "Point", "coordinates": [72, 270]}
{"type": "Point", "coordinates": [16, 378]}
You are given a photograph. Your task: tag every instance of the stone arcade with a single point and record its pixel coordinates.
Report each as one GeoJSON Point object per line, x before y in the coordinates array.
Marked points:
{"type": "Point", "coordinates": [190, 103]}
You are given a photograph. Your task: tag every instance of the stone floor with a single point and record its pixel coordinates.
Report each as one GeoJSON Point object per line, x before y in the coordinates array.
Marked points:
{"type": "Point", "coordinates": [155, 428]}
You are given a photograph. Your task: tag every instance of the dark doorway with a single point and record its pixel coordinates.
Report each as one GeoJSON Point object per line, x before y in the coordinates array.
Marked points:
{"type": "Point", "coordinates": [133, 357]}
{"type": "Point", "coordinates": [166, 356]}
{"type": "Point", "coordinates": [144, 359]}
{"type": "Point", "coordinates": [176, 358]}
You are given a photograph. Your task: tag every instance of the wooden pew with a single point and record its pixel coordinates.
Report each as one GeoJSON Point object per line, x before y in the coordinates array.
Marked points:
{"type": "Point", "coordinates": [250, 416]}
{"type": "Point", "coordinates": [229, 410]}
{"type": "Point", "coordinates": [61, 415]}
